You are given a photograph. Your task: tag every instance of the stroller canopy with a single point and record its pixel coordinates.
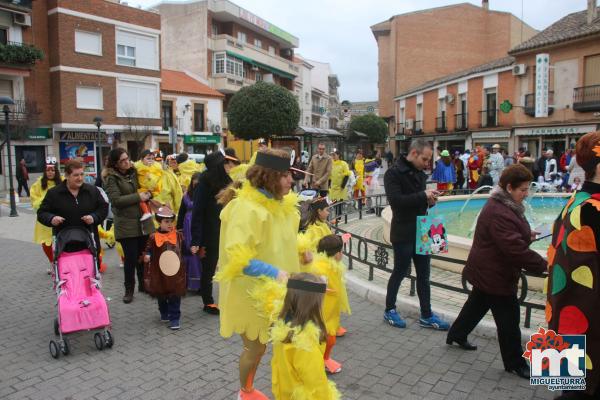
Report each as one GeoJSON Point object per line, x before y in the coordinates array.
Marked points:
{"type": "Point", "coordinates": [74, 237]}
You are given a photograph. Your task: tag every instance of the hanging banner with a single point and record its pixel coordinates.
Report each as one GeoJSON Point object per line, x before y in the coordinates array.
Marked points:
{"type": "Point", "coordinates": [542, 81]}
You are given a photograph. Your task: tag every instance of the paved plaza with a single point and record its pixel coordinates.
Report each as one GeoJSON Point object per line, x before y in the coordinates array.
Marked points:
{"type": "Point", "coordinates": [148, 361]}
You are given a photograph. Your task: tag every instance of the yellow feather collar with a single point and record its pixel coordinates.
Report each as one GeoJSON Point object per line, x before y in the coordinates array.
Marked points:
{"type": "Point", "coordinates": [322, 263]}
{"type": "Point", "coordinates": [304, 338]}
{"type": "Point", "coordinates": [286, 206]}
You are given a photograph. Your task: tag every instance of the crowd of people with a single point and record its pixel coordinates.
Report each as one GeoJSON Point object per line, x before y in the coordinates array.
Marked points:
{"type": "Point", "coordinates": [281, 281]}
{"type": "Point", "coordinates": [458, 171]}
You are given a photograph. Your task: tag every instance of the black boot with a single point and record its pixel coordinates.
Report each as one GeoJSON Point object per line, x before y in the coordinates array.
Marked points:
{"type": "Point", "coordinates": [463, 344]}
{"type": "Point", "coordinates": [521, 370]}
{"type": "Point", "coordinates": [128, 298]}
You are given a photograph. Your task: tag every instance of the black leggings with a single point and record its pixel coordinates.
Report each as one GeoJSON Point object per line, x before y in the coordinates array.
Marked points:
{"type": "Point", "coordinates": [209, 265]}
{"type": "Point", "coordinates": [133, 249]}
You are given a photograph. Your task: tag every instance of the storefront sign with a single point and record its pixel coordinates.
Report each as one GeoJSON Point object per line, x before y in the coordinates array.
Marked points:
{"type": "Point", "coordinates": [39, 134]}
{"type": "Point", "coordinates": [261, 23]}
{"type": "Point", "coordinates": [542, 78]}
{"type": "Point", "coordinates": [81, 136]}
{"type": "Point", "coordinates": [555, 130]}
{"type": "Point", "coordinates": [491, 135]}
{"type": "Point", "coordinates": [201, 139]}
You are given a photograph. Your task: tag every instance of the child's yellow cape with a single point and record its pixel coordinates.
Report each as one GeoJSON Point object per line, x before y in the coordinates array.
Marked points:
{"type": "Point", "coordinates": [149, 177]}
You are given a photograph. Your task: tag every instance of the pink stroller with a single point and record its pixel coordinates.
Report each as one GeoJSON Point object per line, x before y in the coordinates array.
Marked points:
{"type": "Point", "coordinates": [81, 305]}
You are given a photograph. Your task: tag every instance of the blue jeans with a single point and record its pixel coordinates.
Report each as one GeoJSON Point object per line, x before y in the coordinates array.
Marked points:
{"type": "Point", "coordinates": [170, 306]}
{"type": "Point", "coordinates": [404, 252]}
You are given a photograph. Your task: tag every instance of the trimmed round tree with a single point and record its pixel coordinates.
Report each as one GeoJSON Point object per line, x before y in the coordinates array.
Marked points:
{"type": "Point", "coordinates": [262, 110]}
{"type": "Point", "coordinates": [371, 125]}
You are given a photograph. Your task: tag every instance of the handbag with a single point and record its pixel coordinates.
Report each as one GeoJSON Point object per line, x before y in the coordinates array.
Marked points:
{"type": "Point", "coordinates": [431, 235]}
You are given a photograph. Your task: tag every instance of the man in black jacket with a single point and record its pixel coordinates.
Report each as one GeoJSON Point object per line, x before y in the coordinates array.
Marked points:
{"type": "Point", "coordinates": [73, 203]}
{"type": "Point", "coordinates": [405, 188]}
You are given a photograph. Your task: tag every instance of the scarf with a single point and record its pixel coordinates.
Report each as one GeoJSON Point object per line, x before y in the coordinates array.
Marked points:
{"type": "Point", "coordinates": [505, 198]}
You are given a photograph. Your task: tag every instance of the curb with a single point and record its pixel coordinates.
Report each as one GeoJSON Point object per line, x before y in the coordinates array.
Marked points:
{"type": "Point", "coordinates": [409, 306]}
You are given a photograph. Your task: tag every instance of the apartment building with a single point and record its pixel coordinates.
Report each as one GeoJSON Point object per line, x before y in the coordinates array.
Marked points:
{"type": "Point", "coordinates": [424, 45]}
{"type": "Point", "coordinates": [571, 47]}
{"type": "Point", "coordinates": [302, 90]}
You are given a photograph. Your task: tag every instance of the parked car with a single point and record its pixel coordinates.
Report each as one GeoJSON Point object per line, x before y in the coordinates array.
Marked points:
{"type": "Point", "coordinates": [199, 158]}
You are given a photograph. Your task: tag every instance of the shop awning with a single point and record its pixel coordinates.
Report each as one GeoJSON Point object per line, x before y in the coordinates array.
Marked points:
{"type": "Point", "coordinates": [273, 70]}
{"type": "Point", "coordinates": [318, 132]}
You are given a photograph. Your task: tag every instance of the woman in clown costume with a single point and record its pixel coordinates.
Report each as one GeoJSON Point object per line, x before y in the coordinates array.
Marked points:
{"type": "Point", "coordinates": [259, 223]}
{"type": "Point", "coordinates": [574, 266]}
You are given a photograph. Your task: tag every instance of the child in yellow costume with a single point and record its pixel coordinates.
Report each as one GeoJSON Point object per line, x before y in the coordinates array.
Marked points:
{"type": "Point", "coordinates": [149, 174]}
{"type": "Point", "coordinates": [298, 371]}
{"type": "Point", "coordinates": [340, 174]}
{"type": "Point", "coordinates": [316, 226]}
{"type": "Point", "coordinates": [43, 234]}
{"type": "Point", "coordinates": [258, 234]}
{"type": "Point", "coordinates": [109, 238]}
{"type": "Point", "coordinates": [327, 263]}
{"type": "Point", "coordinates": [359, 186]}
{"type": "Point", "coordinates": [184, 167]}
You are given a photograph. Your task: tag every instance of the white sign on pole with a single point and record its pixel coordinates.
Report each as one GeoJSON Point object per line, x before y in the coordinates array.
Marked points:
{"type": "Point", "coordinates": [542, 81]}
{"type": "Point", "coordinates": [172, 135]}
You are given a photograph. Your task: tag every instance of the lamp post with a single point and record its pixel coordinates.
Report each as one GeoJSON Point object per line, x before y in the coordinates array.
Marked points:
{"type": "Point", "coordinates": [13, 205]}
{"type": "Point", "coordinates": [98, 123]}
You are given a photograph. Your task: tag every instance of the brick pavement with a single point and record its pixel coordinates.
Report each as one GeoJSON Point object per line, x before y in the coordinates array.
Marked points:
{"type": "Point", "coordinates": [150, 362]}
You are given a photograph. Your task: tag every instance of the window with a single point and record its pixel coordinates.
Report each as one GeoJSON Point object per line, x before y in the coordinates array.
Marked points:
{"type": "Point", "coordinates": [259, 77]}
{"type": "Point", "coordinates": [6, 88]}
{"type": "Point", "coordinates": [3, 35]}
{"type": "Point", "coordinates": [272, 50]}
{"type": "Point", "coordinates": [126, 55]}
{"type": "Point", "coordinates": [306, 98]}
{"type": "Point", "coordinates": [402, 115]}
{"type": "Point", "coordinates": [89, 98]}
{"type": "Point", "coordinates": [241, 36]}
{"type": "Point", "coordinates": [34, 156]}
{"type": "Point", "coordinates": [137, 99]}
{"type": "Point", "coordinates": [167, 114]}
{"type": "Point", "coordinates": [591, 73]}
{"type": "Point", "coordinates": [219, 63]}
{"type": "Point", "coordinates": [258, 43]}
{"type": "Point", "coordinates": [227, 64]}
{"type": "Point", "coordinates": [214, 29]}
{"type": "Point", "coordinates": [420, 112]}
{"type": "Point", "coordinates": [198, 117]}
{"type": "Point", "coordinates": [88, 43]}
{"type": "Point", "coordinates": [137, 50]}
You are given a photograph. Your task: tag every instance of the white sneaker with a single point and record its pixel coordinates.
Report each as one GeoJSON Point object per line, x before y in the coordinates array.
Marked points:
{"type": "Point", "coordinates": [146, 216]}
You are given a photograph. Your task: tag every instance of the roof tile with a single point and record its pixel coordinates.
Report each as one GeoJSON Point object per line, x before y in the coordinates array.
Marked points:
{"type": "Point", "coordinates": [180, 82]}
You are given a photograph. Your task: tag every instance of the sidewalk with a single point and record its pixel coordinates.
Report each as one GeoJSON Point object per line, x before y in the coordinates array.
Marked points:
{"type": "Point", "coordinates": [148, 361]}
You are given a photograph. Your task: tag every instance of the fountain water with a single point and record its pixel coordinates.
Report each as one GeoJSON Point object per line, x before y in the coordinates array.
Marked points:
{"type": "Point", "coordinates": [479, 189]}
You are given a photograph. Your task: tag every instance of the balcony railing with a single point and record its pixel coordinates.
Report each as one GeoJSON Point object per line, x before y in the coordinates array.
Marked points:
{"type": "Point", "coordinates": [400, 128]}
{"type": "Point", "coordinates": [440, 124]}
{"type": "Point", "coordinates": [462, 123]}
{"type": "Point", "coordinates": [418, 127]}
{"type": "Point", "coordinates": [586, 98]}
{"type": "Point", "coordinates": [16, 53]}
{"type": "Point", "coordinates": [16, 4]}
{"type": "Point", "coordinates": [318, 109]}
{"type": "Point", "coordinates": [489, 118]}
{"type": "Point", "coordinates": [529, 106]}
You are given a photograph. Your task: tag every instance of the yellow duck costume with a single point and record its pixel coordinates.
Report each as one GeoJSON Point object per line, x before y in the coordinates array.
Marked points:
{"type": "Point", "coordinates": [186, 169]}
{"type": "Point", "coordinates": [316, 232]}
{"type": "Point", "coordinates": [41, 234]}
{"type": "Point", "coordinates": [253, 226]}
{"type": "Point", "coordinates": [171, 192]}
{"type": "Point", "coordinates": [297, 367]}
{"type": "Point", "coordinates": [163, 184]}
{"type": "Point", "coordinates": [338, 172]}
{"type": "Point", "coordinates": [359, 167]}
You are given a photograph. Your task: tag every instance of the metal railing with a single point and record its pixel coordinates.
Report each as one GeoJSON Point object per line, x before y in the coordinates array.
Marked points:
{"type": "Point", "coordinates": [462, 123]}
{"type": "Point", "coordinates": [440, 124]}
{"type": "Point", "coordinates": [358, 247]}
{"type": "Point", "coordinates": [529, 104]}
{"type": "Point", "coordinates": [418, 127]}
{"type": "Point", "coordinates": [586, 98]}
{"type": "Point", "coordinates": [489, 118]}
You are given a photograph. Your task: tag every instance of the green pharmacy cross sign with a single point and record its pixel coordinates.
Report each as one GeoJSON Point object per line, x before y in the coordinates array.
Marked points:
{"type": "Point", "coordinates": [506, 106]}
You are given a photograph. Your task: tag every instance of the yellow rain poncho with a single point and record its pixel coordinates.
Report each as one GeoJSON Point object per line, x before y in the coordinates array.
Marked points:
{"type": "Point", "coordinates": [149, 177]}
{"type": "Point", "coordinates": [238, 173]}
{"type": "Point", "coordinates": [359, 167]}
{"type": "Point", "coordinates": [42, 234]}
{"type": "Point", "coordinates": [171, 192]}
{"type": "Point", "coordinates": [298, 368]}
{"type": "Point", "coordinates": [335, 301]}
{"type": "Point", "coordinates": [186, 169]}
{"type": "Point", "coordinates": [338, 172]}
{"type": "Point", "coordinates": [316, 232]}
{"type": "Point", "coordinates": [253, 226]}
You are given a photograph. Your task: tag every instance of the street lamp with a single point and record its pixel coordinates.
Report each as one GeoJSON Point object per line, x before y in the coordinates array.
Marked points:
{"type": "Point", "coordinates": [13, 205]}
{"type": "Point", "coordinates": [98, 123]}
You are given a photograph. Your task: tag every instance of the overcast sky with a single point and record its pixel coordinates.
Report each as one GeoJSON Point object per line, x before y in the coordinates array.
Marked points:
{"type": "Point", "coordinates": [337, 31]}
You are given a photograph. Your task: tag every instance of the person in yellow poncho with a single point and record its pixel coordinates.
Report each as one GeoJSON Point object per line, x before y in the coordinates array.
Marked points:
{"type": "Point", "coordinates": [257, 237]}
{"type": "Point", "coordinates": [238, 172]}
{"type": "Point", "coordinates": [359, 186]}
{"type": "Point", "coordinates": [184, 167]}
{"type": "Point", "coordinates": [149, 175]}
{"type": "Point", "coordinates": [161, 182]}
{"type": "Point", "coordinates": [340, 173]}
{"type": "Point", "coordinates": [327, 263]}
{"type": "Point", "coordinates": [316, 227]}
{"type": "Point", "coordinates": [43, 234]}
{"type": "Point", "coordinates": [297, 365]}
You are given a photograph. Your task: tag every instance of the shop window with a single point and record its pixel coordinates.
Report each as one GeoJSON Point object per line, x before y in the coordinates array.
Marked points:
{"type": "Point", "coordinates": [198, 117]}
{"type": "Point", "coordinates": [35, 157]}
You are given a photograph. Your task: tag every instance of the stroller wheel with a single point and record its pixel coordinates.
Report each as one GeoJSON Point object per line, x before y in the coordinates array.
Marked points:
{"type": "Point", "coordinates": [54, 351]}
{"type": "Point", "coordinates": [56, 332]}
{"type": "Point", "coordinates": [108, 339]}
{"type": "Point", "coordinates": [65, 347]}
{"type": "Point", "coordinates": [98, 341]}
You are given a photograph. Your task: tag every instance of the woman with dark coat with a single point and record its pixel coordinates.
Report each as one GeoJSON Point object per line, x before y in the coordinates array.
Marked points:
{"type": "Point", "coordinates": [121, 185]}
{"type": "Point", "coordinates": [184, 224]}
{"type": "Point", "coordinates": [206, 224]}
{"type": "Point", "coordinates": [500, 250]}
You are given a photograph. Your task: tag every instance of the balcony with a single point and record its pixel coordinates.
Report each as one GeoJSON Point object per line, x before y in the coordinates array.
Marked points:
{"type": "Point", "coordinates": [20, 5]}
{"type": "Point", "coordinates": [229, 83]}
{"type": "Point", "coordinates": [318, 110]}
{"type": "Point", "coordinates": [254, 55]}
{"type": "Point", "coordinates": [586, 98]}
{"type": "Point", "coordinates": [400, 128]}
{"type": "Point", "coordinates": [488, 118]}
{"type": "Point", "coordinates": [19, 54]}
{"type": "Point", "coordinates": [529, 106]}
{"type": "Point", "coordinates": [418, 130]}
{"type": "Point", "coordinates": [440, 124]}
{"type": "Point", "coordinates": [462, 122]}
